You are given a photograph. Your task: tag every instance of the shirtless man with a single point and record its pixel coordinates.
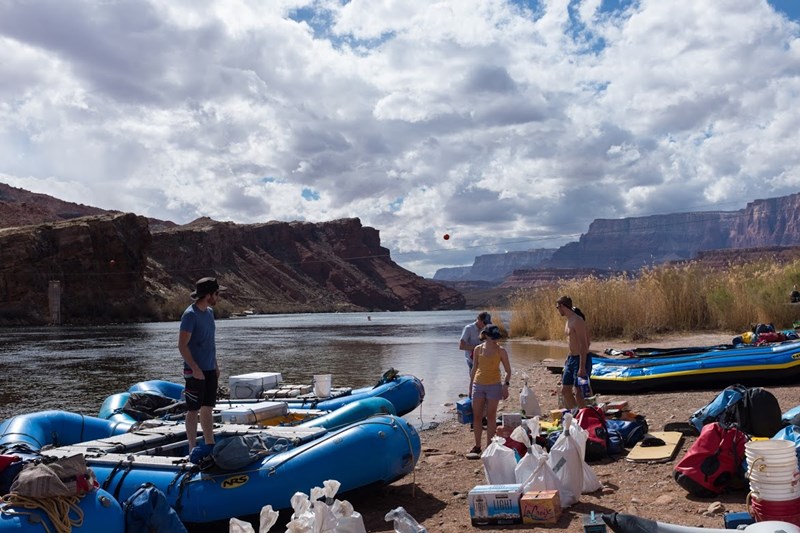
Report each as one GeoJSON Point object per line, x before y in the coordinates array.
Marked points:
{"type": "Point", "coordinates": [579, 362]}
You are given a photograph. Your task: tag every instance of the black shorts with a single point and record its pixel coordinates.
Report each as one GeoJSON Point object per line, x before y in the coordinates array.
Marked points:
{"type": "Point", "coordinates": [201, 392]}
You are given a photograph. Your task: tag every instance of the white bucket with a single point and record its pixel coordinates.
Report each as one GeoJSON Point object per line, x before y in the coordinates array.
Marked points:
{"type": "Point", "coordinates": [785, 476]}
{"type": "Point", "coordinates": [322, 385]}
{"type": "Point", "coordinates": [772, 450]}
{"type": "Point", "coordinates": [761, 465]}
{"type": "Point", "coordinates": [776, 492]}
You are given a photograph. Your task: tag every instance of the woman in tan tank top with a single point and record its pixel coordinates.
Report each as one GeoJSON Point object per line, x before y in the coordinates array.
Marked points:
{"type": "Point", "coordinates": [486, 386]}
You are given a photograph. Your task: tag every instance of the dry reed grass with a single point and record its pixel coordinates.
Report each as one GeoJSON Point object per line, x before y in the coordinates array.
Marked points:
{"type": "Point", "coordinates": [667, 299]}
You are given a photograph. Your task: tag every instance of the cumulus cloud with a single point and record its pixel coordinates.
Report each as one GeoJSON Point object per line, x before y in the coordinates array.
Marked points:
{"type": "Point", "coordinates": [507, 124]}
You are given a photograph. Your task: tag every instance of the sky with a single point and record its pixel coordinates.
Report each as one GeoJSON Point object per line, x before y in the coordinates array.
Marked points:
{"type": "Point", "coordinates": [506, 125]}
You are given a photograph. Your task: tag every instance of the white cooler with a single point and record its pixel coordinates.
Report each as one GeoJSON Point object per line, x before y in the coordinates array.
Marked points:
{"type": "Point", "coordinates": [253, 385]}
{"type": "Point", "coordinates": [254, 412]}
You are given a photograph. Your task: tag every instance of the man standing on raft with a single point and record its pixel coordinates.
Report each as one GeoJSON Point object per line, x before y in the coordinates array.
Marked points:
{"type": "Point", "coordinates": [197, 345]}
{"type": "Point", "coordinates": [579, 362]}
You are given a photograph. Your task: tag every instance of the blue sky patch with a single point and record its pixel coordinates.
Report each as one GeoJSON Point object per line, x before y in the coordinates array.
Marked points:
{"type": "Point", "coordinates": [789, 8]}
{"type": "Point", "coordinates": [309, 194]}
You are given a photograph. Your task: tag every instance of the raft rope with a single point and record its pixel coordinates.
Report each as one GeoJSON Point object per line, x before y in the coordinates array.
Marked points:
{"type": "Point", "coordinates": [57, 510]}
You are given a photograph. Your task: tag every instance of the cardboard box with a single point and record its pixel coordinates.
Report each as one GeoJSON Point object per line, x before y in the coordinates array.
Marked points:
{"type": "Point", "coordinates": [464, 410]}
{"type": "Point", "coordinates": [617, 404]}
{"type": "Point", "coordinates": [254, 412]}
{"type": "Point", "coordinates": [540, 507]}
{"type": "Point", "coordinates": [495, 504]}
{"type": "Point", "coordinates": [253, 385]}
{"type": "Point", "coordinates": [512, 420]}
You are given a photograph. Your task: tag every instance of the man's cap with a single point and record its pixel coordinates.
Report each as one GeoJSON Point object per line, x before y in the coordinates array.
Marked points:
{"type": "Point", "coordinates": [485, 317]}
{"type": "Point", "coordinates": [492, 331]}
{"type": "Point", "coordinates": [565, 301]}
{"type": "Point", "coordinates": [206, 286]}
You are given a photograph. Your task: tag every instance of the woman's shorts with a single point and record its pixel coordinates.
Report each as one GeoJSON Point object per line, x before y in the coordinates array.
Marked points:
{"type": "Point", "coordinates": [487, 392]}
{"type": "Point", "coordinates": [201, 392]}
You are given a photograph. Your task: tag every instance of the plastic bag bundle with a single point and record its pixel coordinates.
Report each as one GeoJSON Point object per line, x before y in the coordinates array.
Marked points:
{"type": "Point", "coordinates": [322, 513]}
{"type": "Point", "coordinates": [499, 462]}
{"type": "Point", "coordinates": [267, 519]}
{"type": "Point", "coordinates": [404, 522]}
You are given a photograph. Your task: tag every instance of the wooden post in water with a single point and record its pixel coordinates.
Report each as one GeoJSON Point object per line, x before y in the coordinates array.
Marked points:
{"type": "Point", "coordinates": [54, 301]}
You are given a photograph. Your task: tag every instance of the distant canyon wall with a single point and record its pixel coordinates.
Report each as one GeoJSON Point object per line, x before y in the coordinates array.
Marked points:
{"type": "Point", "coordinates": [495, 267]}
{"type": "Point", "coordinates": [631, 243]}
{"type": "Point", "coordinates": [628, 244]}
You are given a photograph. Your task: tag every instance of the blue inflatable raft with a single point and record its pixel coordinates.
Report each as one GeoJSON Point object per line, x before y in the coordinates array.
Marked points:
{"type": "Point", "coordinates": [377, 449]}
{"type": "Point", "coordinates": [404, 392]}
{"type": "Point", "coordinates": [746, 364]}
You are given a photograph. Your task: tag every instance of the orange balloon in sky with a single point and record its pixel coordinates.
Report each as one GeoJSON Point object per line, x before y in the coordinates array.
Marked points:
{"type": "Point", "coordinates": [446, 236]}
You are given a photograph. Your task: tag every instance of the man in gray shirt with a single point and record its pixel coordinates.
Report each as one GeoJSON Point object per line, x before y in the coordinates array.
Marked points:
{"type": "Point", "coordinates": [470, 336]}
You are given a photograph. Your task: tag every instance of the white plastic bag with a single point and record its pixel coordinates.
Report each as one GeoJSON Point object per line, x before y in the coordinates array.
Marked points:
{"type": "Point", "coordinates": [302, 519]}
{"type": "Point", "coordinates": [542, 478]}
{"type": "Point", "coordinates": [499, 462]}
{"type": "Point", "coordinates": [322, 513]}
{"type": "Point", "coordinates": [346, 519]}
{"type": "Point", "coordinates": [267, 519]}
{"type": "Point", "coordinates": [404, 522]}
{"type": "Point", "coordinates": [238, 526]}
{"type": "Point", "coordinates": [528, 401]}
{"type": "Point", "coordinates": [590, 481]}
{"type": "Point", "coordinates": [524, 468]}
{"type": "Point", "coordinates": [566, 460]}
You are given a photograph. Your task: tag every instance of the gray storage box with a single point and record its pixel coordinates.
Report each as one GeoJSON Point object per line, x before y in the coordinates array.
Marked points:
{"type": "Point", "coordinates": [254, 412]}
{"type": "Point", "coordinates": [253, 385]}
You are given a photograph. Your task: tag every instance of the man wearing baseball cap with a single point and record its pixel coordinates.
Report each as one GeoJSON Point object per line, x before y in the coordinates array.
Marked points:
{"type": "Point", "coordinates": [197, 345]}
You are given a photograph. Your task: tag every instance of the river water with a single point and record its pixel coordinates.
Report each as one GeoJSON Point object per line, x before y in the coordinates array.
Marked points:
{"type": "Point", "coordinates": [76, 368]}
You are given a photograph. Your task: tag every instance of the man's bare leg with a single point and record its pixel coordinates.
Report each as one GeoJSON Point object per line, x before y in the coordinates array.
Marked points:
{"type": "Point", "coordinates": [207, 424]}
{"type": "Point", "coordinates": [191, 428]}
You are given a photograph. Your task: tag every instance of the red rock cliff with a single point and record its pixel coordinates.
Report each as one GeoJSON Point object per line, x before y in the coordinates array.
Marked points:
{"type": "Point", "coordinates": [112, 268]}
{"type": "Point", "coordinates": [99, 262]}
{"type": "Point", "coordinates": [294, 266]}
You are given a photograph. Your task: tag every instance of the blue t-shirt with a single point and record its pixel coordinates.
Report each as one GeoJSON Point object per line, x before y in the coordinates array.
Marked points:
{"type": "Point", "coordinates": [201, 344]}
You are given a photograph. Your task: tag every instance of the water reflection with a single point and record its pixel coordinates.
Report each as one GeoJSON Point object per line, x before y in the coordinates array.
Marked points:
{"type": "Point", "coordinates": [75, 369]}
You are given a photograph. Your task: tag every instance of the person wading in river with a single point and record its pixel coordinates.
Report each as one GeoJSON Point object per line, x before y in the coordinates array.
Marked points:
{"type": "Point", "coordinates": [197, 345]}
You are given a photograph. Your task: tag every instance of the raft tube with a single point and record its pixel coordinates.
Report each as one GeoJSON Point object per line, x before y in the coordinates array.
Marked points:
{"type": "Point", "coordinates": [380, 449]}
{"type": "Point", "coordinates": [405, 392]}
{"type": "Point", "coordinates": [33, 431]}
{"type": "Point", "coordinates": [101, 513]}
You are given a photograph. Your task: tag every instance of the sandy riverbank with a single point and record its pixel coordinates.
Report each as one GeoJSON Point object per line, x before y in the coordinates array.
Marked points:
{"type": "Point", "coordinates": [436, 494]}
